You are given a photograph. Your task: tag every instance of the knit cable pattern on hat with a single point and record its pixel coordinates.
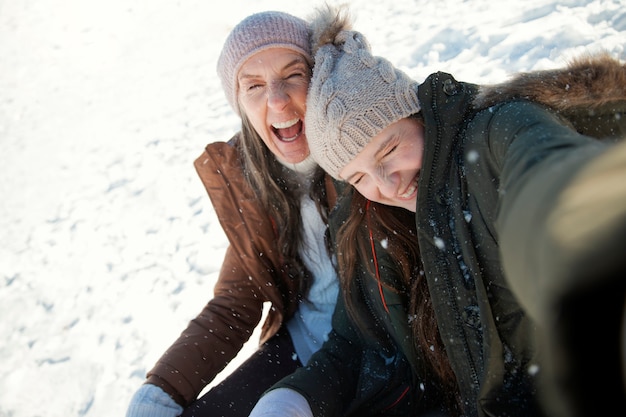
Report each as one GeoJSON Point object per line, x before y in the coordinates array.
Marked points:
{"type": "Point", "coordinates": [352, 97]}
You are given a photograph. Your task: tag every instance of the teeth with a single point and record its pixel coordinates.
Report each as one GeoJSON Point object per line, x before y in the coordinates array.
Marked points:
{"type": "Point", "coordinates": [285, 125]}
{"type": "Point", "coordinates": [410, 190]}
{"type": "Point", "coordinates": [291, 139]}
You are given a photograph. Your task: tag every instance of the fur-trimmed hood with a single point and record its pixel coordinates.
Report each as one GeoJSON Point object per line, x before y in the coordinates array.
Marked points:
{"type": "Point", "coordinates": [588, 81]}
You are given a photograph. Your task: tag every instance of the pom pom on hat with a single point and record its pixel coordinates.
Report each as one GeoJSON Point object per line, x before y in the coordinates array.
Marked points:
{"type": "Point", "coordinates": [353, 96]}
{"type": "Point", "coordinates": [255, 33]}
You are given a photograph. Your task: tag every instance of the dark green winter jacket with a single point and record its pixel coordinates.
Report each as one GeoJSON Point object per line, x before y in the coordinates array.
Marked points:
{"type": "Point", "coordinates": [491, 194]}
{"type": "Point", "coordinates": [489, 200]}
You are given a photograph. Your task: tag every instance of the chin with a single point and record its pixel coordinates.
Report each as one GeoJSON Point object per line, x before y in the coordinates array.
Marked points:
{"type": "Point", "coordinates": [410, 205]}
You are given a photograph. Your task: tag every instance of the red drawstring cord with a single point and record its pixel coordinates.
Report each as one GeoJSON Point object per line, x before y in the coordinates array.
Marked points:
{"type": "Point", "coordinates": [380, 284]}
{"type": "Point", "coordinates": [398, 399]}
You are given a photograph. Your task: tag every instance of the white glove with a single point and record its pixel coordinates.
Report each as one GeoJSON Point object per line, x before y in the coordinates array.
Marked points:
{"type": "Point", "coordinates": [282, 402]}
{"type": "Point", "coordinates": [151, 401]}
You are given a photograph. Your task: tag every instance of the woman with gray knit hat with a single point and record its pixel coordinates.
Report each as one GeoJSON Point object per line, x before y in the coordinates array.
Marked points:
{"type": "Point", "coordinates": [505, 217]}
{"type": "Point", "coordinates": [272, 202]}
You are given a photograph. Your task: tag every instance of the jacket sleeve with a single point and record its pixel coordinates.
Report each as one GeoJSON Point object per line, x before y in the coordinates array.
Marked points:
{"type": "Point", "coordinates": [562, 230]}
{"type": "Point", "coordinates": [249, 276]}
{"type": "Point", "coordinates": [554, 209]}
{"type": "Point", "coordinates": [212, 339]}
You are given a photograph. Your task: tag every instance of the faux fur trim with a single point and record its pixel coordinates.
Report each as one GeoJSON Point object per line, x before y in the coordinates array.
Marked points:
{"type": "Point", "coordinates": [590, 81]}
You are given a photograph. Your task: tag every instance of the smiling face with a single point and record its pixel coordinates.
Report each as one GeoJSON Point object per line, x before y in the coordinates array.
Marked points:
{"type": "Point", "coordinates": [387, 169]}
{"type": "Point", "coordinates": [272, 89]}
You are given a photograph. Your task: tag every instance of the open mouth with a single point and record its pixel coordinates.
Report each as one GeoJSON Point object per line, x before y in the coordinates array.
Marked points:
{"type": "Point", "coordinates": [410, 190]}
{"type": "Point", "coordinates": [288, 131]}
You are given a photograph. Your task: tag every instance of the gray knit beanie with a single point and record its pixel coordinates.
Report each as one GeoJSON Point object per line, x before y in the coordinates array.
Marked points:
{"type": "Point", "coordinates": [352, 97]}
{"type": "Point", "coordinates": [256, 33]}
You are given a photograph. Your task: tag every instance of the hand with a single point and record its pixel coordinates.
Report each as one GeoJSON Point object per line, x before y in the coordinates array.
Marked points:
{"type": "Point", "coordinates": [151, 401]}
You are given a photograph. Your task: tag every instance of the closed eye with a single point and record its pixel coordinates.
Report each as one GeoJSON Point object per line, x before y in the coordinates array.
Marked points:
{"type": "Point", "coordinates": [297, 75]}
{"type": "Point", "coordinates": [250, 85]}
{"type": "Point", "coordinates": [253, 87]}
{"type": "Point", "coordinates": [357, 179]}
{"type": "Point", "coordinates": [390, 151]}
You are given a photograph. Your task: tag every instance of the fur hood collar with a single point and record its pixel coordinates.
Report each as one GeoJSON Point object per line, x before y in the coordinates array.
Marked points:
{"type": "Point", "coordinates": [588, 81]}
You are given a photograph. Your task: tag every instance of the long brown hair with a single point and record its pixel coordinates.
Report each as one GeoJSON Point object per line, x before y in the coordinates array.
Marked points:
{"type": "Point", "coordinates": [279, 190]}
{"type": "Point", "coordinates": [396, 226]}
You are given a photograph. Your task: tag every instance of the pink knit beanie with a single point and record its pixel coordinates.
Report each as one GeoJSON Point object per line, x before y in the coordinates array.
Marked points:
{"type": "Point", "coordinates": [256, 33]}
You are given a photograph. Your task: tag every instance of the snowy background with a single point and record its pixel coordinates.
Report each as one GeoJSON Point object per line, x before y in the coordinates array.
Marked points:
{"type": "Point", "coordinates": [108, 242]}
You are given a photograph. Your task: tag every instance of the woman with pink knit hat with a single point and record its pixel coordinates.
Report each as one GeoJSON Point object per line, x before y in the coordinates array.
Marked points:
{"type": "Point", "coordinates": [273, 203]}
{"type": "Point", "coordinates": [503, 210]}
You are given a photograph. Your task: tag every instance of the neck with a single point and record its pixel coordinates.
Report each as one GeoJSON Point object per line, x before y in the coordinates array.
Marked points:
{"type": "Point", "coordinates": [306, 166]}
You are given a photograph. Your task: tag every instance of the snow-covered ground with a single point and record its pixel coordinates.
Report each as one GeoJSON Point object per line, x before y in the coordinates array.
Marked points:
{"type": "Point", "coordinates": [108, 242]}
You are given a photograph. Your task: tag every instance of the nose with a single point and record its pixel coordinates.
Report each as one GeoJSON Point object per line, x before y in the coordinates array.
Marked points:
{"type": "Point", "coordinates": [277, 96]}
{"type": "Point", "coordinates": [387, 187]}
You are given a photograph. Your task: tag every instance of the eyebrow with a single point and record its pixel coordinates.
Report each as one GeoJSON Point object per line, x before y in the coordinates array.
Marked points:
{"type": "Point", "coordinates": [383, 145]}
{"type": "Point", "coordinates": [296, 61]}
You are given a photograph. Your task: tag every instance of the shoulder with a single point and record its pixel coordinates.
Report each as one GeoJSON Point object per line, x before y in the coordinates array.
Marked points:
{"type": "Point", "coordinates": [532, 125]}
{"type": "Point", "coordinates": [218, 156]}
{"type": "Point", "coordinates": [220, 169]}
{"type": "Point", "coordinates": [521, 115]}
